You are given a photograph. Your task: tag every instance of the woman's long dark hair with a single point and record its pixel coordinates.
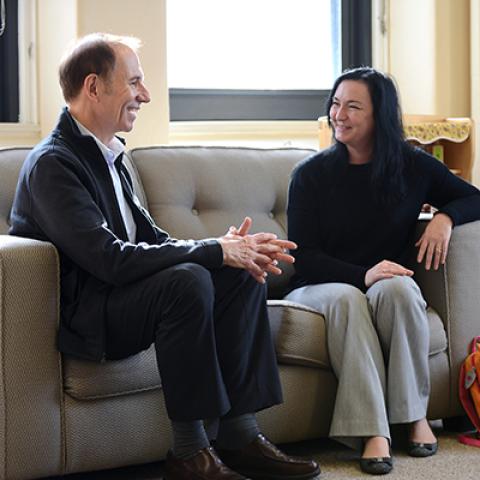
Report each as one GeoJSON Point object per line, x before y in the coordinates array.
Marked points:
{"type": "Point", "coordinates": [390, 148]}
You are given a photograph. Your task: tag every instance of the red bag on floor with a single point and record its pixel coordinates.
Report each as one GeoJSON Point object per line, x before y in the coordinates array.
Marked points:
{"type": "Point", "coordinates": [469, 390]}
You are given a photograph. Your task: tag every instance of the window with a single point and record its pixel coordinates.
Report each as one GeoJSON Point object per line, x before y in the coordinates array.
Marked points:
{"type": "Point", "coordinates": [9, 100]}
{"type": "Point", "coordinates": [17, 67]}
{"type": "Point", "coordinates": [261, 60]}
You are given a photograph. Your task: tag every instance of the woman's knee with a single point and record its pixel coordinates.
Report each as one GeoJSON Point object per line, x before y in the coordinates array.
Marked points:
{"type": "Point", "coordinates": [401, 289]}
{"type": "Point", "coordinates": [344, 306]}
{"type": "Point", "coordinates": [398, 303]}
{"type": "Point", "coordinates": [322, 296]}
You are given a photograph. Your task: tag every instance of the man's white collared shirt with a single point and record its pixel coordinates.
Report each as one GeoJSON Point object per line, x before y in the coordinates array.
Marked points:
{"type": "Point", "coordinates": [110, 155]}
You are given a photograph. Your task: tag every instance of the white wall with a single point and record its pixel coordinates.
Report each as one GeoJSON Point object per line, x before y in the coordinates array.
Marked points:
{"type": "Point", "coordinates": [475, 82]}
{"type": "Point", "coordinates": [411, 36]}
{"type": "Point", "coordinates": [429, 55]}
{"type": "Point", "coordinates": [145, 19]}
{"type": "Point", "coordinates": [452, 52]}
{"type": "Point", "coordinates": [53, 36]}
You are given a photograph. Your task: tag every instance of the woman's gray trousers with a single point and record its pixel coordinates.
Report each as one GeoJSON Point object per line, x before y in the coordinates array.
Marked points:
{"type": "Point", "coordinates": [378, 345]}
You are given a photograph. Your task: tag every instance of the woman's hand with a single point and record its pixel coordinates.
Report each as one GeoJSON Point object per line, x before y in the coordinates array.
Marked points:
{"type": "Point", "coordinates": [433, 244]}
{"type": "Point", "coordinates": [385, 269]}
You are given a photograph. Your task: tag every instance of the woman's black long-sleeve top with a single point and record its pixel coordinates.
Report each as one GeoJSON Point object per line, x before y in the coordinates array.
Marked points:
{"type": "Point", "coordinates": [342, 229]}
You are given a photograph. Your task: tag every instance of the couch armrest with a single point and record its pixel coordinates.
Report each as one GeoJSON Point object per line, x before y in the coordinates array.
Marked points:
{"type": "Point", "coordinates": [31, 431]}
{"type": "Point", "coordinates": [454, 292]}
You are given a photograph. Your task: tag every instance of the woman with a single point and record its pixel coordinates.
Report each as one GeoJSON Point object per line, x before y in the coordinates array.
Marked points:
{"type": "Point", "coordinates": [352, 211]}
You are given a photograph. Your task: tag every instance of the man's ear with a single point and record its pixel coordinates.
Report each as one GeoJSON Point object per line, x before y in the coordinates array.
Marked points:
{"type": "Point", "coordinates": [90, 86]}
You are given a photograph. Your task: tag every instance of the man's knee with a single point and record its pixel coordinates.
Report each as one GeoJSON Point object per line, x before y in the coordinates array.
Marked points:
{"type": "Point", "coordinates": [239, 279]}
{"type": "Point", "coordinates": [186, 301]}
{"type": "Point", "coordinates": [191, 280]}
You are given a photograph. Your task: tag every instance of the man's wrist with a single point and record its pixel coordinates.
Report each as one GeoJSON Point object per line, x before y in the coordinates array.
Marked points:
{"type": "Point", "coordinates": [216, 252]}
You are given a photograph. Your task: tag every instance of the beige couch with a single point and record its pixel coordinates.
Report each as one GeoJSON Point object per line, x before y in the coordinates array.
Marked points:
{"type": "Point", "coordinates": [61, 415]}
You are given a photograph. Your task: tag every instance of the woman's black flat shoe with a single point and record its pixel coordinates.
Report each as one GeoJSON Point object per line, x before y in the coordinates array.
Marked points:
{"type": "Point", "coordinates": [422, 449]}
{"type": "Point", "coordinates": [376, 465]}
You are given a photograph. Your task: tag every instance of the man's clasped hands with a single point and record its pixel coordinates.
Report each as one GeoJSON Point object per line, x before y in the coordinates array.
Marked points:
{"type": "Point", "coordinates": [258, 253]}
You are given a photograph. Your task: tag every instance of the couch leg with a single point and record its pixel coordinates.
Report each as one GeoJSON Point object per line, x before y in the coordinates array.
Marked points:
{"type": "Point", "coordinates": [458, 424]}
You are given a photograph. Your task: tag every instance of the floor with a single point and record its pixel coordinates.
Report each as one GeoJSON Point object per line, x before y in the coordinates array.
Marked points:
{"type": "Point", "coordinates": [453, 461]}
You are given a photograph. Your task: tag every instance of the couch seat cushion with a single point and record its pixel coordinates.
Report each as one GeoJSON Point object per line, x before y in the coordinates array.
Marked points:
{"type": "Point", "coordinates": [438, 336]}
{"type": "Point", "coordinates": [298, 331]}
{"type": "Point", "coordinates": [300, 335]}
{"type": "Point", "coordinates": [89, 380]}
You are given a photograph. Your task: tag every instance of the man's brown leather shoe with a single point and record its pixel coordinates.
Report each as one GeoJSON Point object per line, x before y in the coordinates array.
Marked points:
{"type": "Point", "coordinates": [203, 465]}
{"type": "Point", "coordinates": [261, 460]}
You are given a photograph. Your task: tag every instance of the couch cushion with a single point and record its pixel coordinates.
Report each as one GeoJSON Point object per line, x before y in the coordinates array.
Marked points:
{"type": "Point", "coordinates": [438, 336]}
{"type": "Point", "coordinates": [11, 161]}
{"type": "Point", "coordinates": [198, 192]}
{"type": "Point", "coordinates": [89, 380]}
{"type": "Point", "coordinates": [299, 335]}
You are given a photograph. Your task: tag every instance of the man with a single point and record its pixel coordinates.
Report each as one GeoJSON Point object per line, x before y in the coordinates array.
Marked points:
{"type": "Point", "coordinates": [125, 284]}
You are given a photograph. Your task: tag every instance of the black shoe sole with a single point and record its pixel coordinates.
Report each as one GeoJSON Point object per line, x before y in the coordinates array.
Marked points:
{"type": "Point", "coordinates": [376, 465]}
{"type": "Point", "coordinates": [422, 450]}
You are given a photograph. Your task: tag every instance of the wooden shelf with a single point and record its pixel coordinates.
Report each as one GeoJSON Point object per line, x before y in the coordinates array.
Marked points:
{"type": "Point", "coordinates": [454, 135]}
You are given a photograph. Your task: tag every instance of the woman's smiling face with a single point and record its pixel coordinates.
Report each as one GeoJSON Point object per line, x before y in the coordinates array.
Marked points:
{"type": "Point", "coordinates": [351, 115]}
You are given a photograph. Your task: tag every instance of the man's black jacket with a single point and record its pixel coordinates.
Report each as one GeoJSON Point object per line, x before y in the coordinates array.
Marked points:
{"type": "Point", "coordinates": [65, 195]}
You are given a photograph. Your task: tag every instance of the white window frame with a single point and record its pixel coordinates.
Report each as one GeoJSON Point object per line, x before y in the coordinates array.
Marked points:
{"type": "Point", "coordinates": [27, 64]}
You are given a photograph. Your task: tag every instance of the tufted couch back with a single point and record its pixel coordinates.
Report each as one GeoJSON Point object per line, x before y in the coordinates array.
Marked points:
{"type": "Point", "coordinates": [198, 192]}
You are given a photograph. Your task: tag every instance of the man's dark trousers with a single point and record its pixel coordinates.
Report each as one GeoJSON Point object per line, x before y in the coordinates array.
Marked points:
{"type": "Point", "coordinates": [212, 339]}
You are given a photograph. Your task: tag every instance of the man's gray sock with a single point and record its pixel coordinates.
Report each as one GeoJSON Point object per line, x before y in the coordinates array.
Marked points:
{"type": "Point", "coordinates": [211, 427]}
{"type": "Point", "coordinates": [237, 432]}
{"type": "Point", "coordinates": [188, 438]}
